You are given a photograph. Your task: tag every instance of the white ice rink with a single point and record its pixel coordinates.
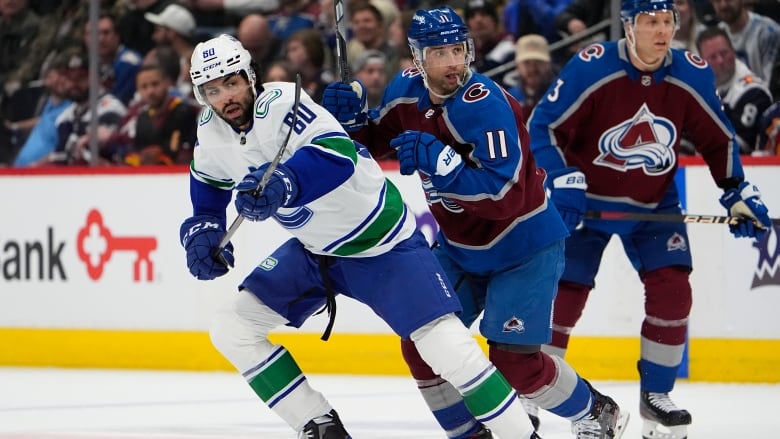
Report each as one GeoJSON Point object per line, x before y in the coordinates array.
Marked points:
{"type": "Point", "coordinates": [107, 404]}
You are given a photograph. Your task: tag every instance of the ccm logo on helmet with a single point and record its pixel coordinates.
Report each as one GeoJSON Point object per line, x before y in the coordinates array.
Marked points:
{"type": "Point", "coordinates": [211, 66]}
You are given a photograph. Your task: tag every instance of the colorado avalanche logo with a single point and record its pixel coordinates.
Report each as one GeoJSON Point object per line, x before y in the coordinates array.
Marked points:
{"type": "Point", "coordinates": [767, 272]}
{"type": "Point", "coordinates": [410, 72]}
{"type": "Point", "coordinates": [514, 325]}
{"type": "Point", "coordinates": [432, 196]}
{"type": "Point", "coordinates": [646, 141]}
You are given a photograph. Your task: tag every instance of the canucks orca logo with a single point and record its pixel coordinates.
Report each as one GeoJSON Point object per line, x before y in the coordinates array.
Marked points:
{"type": "Point", "coordinates": [768, 268]}
{"type": "Point", "coordinates": [645, 142]}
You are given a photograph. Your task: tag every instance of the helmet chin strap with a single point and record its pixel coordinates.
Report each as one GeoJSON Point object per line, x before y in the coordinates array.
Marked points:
{"type": "Point", "coordinates": [461, 80]}
{"type": "Point", "coordinates": [631, 41]}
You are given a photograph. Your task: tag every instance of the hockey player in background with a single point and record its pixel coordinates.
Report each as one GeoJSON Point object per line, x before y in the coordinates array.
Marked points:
{"type": "Point", "coordinates": [352, 235]}
{"type": "Point", "coordinates": [500, 241]}
{"type": "Point", "coordinates": [744, 95]}
{"type": "Point", "coordinates": [608, 133]}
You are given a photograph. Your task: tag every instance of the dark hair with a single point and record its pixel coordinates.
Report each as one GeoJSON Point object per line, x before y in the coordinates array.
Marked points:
{"type": "Point", "coordinates": [366, 6]}
{"type": "Point", "coordinates": [710, 33]}
{"type": "Point", "coordinates": [166, 57]}
{"type": "Point", "coordinates": [312, 41]}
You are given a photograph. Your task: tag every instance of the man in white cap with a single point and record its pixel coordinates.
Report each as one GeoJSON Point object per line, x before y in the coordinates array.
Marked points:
{"type": "Point", "coordinates": [534, 71]}
{"type": "Point", "coordinates": [175, 18]}
{"type": "Point", "coordinates": [175, 26]}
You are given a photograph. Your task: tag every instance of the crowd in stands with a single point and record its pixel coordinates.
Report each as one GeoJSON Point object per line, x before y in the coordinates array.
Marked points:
{"type": "Point", "coordinates": [146, 113]}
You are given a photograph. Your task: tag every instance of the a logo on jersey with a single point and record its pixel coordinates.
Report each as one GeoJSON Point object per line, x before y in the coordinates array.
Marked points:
{"type": "Point", "coordinates": [205, 116]}
{"type": "Point", "coordinates": [264, 102]}
{"type": "Point", "coordinates": [410, 72]}
{"type": "Point", "coordinates": [269, 263]}
{"type": "Point", "coordinates": [429, 114]}
{"type": "Point", "coordinates": [514, 325]}
{"type": "Point", "coordinates": [432, 196]}
{"type": "Point", "coordinates": [676, 243]}
{"type": "Point", "coordinates": [295, 219]}
{"type": "Point", "coordinates": [645, 141]}
{"type": "Point", "coordinates": [475, 92]}
{"type": "Point", "coordinates": [768, 268]}
{"type": "Point", "coordinates": [695, 60]}
{"type": "Point", "coordinates": [594, 51]}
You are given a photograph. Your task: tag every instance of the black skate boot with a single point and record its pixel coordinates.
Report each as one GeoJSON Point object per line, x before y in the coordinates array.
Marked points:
{"type": "Point", "coordinates": [482, 434]}
{"type": "Point", "coordinates": [605, 421]}
{"type": "Point", "coordinates": [662, 419]}
{"type": "Point", "coordinates": [327, 426]}
{"type": "Point", "coordinates": [532, 410]}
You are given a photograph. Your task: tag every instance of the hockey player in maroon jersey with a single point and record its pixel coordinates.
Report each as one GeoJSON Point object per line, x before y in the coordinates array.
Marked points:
{"type": "Point", "coordinates": [500, 240]}
{"type": "Point", "coordinates": [608, 133]}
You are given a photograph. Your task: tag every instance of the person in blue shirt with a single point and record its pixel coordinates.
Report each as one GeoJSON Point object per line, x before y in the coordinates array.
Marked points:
{"type": "Point", "coordinates": [43, 137]}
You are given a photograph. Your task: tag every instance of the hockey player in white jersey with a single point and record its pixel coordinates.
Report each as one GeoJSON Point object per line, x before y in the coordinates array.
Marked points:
{"type": "Point", "coordinates": [352, 235]}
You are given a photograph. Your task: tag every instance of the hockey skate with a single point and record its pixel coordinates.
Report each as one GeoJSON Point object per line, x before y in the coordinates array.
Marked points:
{"type": "Point", "coordinates": [482, 434]}
{"type": "Point", "coordinates": [661, 418]}
{"type": "Point", "coordinates": [532, 410]}
{"type": "Point", "coordinates": [327, 426]}
{"type": "Point", "coordinates": [605, 421]}
{"type": "Point", "coordinates": [486, 434]}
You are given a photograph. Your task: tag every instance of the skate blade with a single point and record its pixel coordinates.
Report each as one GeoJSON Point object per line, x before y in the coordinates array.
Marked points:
{"type": "Point", "coordinates": [620, 425]}
{"type": "Point", "coordinates": [656, 430]}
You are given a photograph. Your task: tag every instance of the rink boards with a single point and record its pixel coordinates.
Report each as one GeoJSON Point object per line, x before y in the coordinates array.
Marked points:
{"type": "Point", "coordinates": [93, 275]}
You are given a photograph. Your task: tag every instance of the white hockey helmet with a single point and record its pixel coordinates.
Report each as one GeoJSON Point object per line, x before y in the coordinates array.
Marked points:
{"type": "Point", "coordinates": [218, 57]}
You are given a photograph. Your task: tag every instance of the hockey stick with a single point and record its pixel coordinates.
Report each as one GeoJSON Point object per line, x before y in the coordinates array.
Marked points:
{"type": "Point", "coordinates": [341, 44]}
{"type": "Point", "coordinates": [667, 217]}
{"type": "Point", "coordinates": [266, 175]}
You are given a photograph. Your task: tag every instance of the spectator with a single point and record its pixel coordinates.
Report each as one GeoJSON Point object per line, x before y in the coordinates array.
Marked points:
{"type": "Point", "coordinates": [534, 72]}
{"type": "Point", "coordinates": [175, 26]}
{"type": "Point", "coordinates": [279, 70]}
{"type": "Point", "coordinates": [769, 131]}
{"type": "Point", "coordinates": [492, 46]}
{"type": "Point", "coordinates": [755, 38]}
{"type": "Point", "coordinates": [61, 28]}
{"type": "Point", "coordinates": [397, 34]}
{"type": "Point", "coordinates": [523, 17]}
{"type": "Point", "coordinates": [18, 27]}
{"type": "Point", "coordinates": [369, 32]}
{"type": "Point", "coordinates": [166, 57]}
{"type": "Point", "coordinates": [579, 16]}
{"type": "Point", "coordinates": [163, 132]}
{"type": "Point", "coordinates": [254, 33]}
{"type": "Point", "coordinates": [237, 7]}
{"type": "Point", "coordinates": [370, 68]}
{"type": "Point", "coordinates": [689, 26]}
{"type": "Point", "coordinates": [43, 137]}
{"type": "Point", "coordinates": [73, 140]}
{"type": "Point", "coordinates": [118, 65]}
{"type": "Point", "coordinates": [744, 96]}
{"type": "Point", "coordinates": [305, 51]}
{"type": "Point", "coordinates": [290, 18]}
{"type": "Point", "coordinates": [135, 31]}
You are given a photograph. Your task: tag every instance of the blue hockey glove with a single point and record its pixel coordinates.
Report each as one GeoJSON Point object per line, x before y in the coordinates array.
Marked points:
{"type": "Point", "coordinates": [200, 236]}
{"type": "Point", "coordinates": [424, 152]}
{"type": "Point", "coordinates": [744, 201]}
{"type": "Point", "coordinates": [347, 102]}
{"type": "Point", "coordinates": [281, 190]}
{"type": "Point", "coordinates": [566, 188]}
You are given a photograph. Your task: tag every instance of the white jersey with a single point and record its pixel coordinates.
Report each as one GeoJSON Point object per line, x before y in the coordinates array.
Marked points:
{"type": "Point", "coordinates": [362, 216]}
{"type": "Point", "coordinates": [745, 98]}
{"type": "Point", "coordinates": [758, 44]}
